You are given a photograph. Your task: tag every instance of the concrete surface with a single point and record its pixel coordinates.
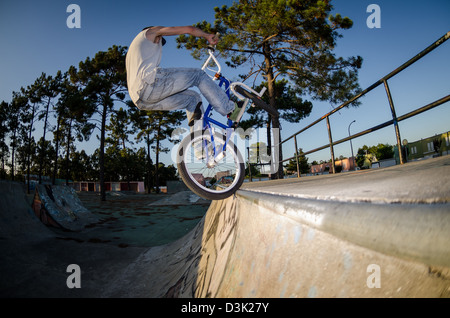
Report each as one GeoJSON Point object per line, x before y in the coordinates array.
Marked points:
{"type": "Point", "coordinates": [60, 207]}
{"type": "Point", "coordinates": [376, 233]}
{"type": "Point", "coordinates": [425, 181]}
{"type": "Point", "coordinates": [263, 243]}
{"type": "Point", "coordinates": [34, 259]}
{"type": "Point", "coordinates": [400, 210]}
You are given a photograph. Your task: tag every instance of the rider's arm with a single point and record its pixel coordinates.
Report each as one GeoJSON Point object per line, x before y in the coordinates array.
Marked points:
{"type": "Point", "coordinates": [154, 34]}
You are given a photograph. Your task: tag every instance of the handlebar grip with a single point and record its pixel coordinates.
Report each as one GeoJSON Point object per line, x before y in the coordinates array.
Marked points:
{"type": "Point", "coordinates": [213, 48]}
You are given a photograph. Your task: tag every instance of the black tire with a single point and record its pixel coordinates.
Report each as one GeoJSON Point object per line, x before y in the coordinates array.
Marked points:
{"type": "Point", "coordinates": [257, 100]}
{"type": "Point", "coordinates": [229, 180]}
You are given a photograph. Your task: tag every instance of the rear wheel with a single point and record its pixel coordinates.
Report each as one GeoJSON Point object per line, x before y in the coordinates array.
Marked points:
{"type": "Point", "coordinates": [209, 170]}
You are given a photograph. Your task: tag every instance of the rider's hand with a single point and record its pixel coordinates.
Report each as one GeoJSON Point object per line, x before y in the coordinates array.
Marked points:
{"type": "Point", "coordinates": [212, 39]}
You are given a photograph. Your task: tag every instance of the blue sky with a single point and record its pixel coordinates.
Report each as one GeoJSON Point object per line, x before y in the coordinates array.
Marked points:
{"type": "Point", "coordinates": [34, 38]}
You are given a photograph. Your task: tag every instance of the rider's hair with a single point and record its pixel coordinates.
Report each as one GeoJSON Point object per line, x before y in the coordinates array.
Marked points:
{"type": "Point", "coordinates": [163, 39]}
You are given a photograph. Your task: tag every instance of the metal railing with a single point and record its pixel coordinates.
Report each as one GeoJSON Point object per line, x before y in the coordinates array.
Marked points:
{"type": "Point", "coordinates": [394, 121]}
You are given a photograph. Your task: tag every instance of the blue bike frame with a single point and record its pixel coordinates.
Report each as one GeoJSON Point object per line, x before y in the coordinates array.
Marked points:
{"type": "Point", "coordinates": [208, 121]}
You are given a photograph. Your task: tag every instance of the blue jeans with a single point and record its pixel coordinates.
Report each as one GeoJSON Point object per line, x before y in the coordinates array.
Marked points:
{"type": "Point", "coordinates": [170, 91]}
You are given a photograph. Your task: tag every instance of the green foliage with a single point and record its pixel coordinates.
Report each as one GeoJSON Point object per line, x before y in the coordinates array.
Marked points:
{"type": "Point", "coordinates": [379, 152]}
{"type": "Point", "coordinates": [384, 151]}
{"type": "Point", "coordinates": [254, 171]}
{"type": "Point", "coordinates": [292, 108]}
{"type": "Point", "coordinates": [119, 128]}
{"type": "Point", "coordinates": [258, 153]}
{"type": "Point", "coordinates": [75, 97]}
{"type": "Point", "coordinates": [284, 39]}
{"type": "Point", "coordinates": [293, 39]}
{"type": "Point", "coordinates": [4, 149]}
{"type": "Point", "coordinates": [303, 164]}
{"type": "Point", "coordinates": [103, 81]}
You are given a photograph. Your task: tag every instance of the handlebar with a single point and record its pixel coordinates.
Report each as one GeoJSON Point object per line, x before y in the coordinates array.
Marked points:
{"type": "Point", "coordinates": [211, 50]}
{"type": "Point", "coordinates": [216, 62]}
{"type": "Point", "coordinates": [217, 74]}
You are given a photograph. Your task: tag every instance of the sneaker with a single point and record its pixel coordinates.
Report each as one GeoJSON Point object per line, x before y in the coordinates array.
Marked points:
{"type": "Point", "coordinates": [197, 115]}
{"type": "Point", "coordinates": [234, 115]}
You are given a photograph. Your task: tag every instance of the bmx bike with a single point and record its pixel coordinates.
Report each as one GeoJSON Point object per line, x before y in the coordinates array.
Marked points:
{"type": "Point", "coordinates": [208, 162]}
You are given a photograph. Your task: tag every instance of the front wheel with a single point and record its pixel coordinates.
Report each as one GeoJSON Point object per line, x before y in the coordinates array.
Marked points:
{"type": "Point", "coordinates": [209, 170]}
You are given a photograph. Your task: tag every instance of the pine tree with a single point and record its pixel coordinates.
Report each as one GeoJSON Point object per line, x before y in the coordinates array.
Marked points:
{"type": "Point", "coordinates": [292, 39]}
{"type": "Point", "coordinates": [103, 79]}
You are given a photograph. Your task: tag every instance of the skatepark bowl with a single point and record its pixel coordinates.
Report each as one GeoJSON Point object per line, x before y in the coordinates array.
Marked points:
{"type": "Point", "coordinates": [370, 233]}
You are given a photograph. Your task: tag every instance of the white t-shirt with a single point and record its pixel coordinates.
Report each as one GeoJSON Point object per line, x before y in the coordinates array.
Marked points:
{"type": "Point", "coordinates": [143, 57]}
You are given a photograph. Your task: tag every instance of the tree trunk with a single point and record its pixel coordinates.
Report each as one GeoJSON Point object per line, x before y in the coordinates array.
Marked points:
{"type": "Point", "coordinates": [149, 167]}
{"type": "Point", "coordinates": [55, 166]}
{"type": "Point", "coordinates": [102, 155]}
{"type": "Point", "coordinates": [41, 156]}
{"type": "Point", "coordinates": [69, 136]}
{"type": "Point", "coordinates": [275, 120]}
{"type": "Point", "coordinates": [277, 149]}
{"type": "Point", "coordinates": [157, 159]}
{"type": "Point", "coordinates": [13, 155]}
{"type": "Point", "coordinates": [29, 150]}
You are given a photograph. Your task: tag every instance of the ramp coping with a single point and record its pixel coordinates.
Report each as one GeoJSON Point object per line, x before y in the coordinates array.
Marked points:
{"type": "Point", "coordinates": [418, 232]}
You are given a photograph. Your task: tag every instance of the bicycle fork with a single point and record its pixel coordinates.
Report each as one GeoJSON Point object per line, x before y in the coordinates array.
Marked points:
{"type": "Point", "coordinates": [218, 153]}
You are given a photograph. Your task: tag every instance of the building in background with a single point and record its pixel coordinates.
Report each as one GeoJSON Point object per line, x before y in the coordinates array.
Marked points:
{"type": "Point", "coordinates": [92, 186]}
{"type": "Point", "coordinates": [437, 145]}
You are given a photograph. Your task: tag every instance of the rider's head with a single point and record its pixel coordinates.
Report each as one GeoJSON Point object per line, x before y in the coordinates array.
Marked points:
{"type": "Point", "coordinates": [163, 39]}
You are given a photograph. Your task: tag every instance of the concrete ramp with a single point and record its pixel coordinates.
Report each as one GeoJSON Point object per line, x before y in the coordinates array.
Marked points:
{"type": "Point", "coordinates": [59, 206]}
{"type": "Point", "coordinates": [17, 220]}
{"type": "Point", "coordinates": [261, 244]}
{"type": "Point", "coordinates": [381, 233]}
{"type": "Point", "coordinates": [34, 259]}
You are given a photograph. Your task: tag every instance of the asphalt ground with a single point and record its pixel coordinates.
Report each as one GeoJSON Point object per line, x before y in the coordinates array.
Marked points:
{"type": "Point", "coordinates": [35, 258]}
{"type": "Point", "coordinates": [139, 220]}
